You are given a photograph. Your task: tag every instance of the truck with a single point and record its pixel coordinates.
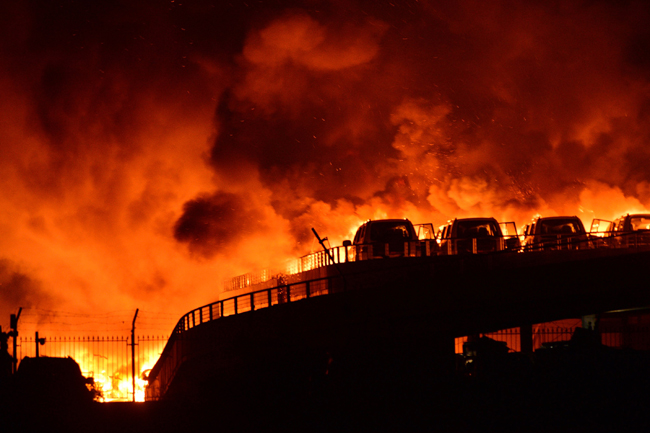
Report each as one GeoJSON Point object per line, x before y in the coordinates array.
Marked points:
{"type": "Point", "coordinates": [555, 233]}
{"type": "Point", "coordinates": [390, 238]}
{"type": "Point", "coordinates": [629, 230]}
{"type": "Point", "coordinates": [475, 236]}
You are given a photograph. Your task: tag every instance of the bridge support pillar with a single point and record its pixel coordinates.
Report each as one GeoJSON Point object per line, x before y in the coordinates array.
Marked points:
{"type": "Point", "coordinates": [526, 338]}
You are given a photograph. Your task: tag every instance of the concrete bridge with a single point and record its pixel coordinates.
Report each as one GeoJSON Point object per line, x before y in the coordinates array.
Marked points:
{"type": "Point", "coordinates": [385, 318]}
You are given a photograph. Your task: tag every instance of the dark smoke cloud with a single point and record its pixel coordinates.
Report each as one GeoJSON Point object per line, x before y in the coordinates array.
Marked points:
{"type": "Point", "coordinates": [211, 223]}
{"type": "Point", "coordinates": [19, 289]}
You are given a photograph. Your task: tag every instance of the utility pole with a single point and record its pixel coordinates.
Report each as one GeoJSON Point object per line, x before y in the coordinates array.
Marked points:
{"type": "Point", "coordinates": [38, 341]}
{"type": "Point", "coordinates": [13, 324]}
{"type": "Point", "coordinates": [133, 351]}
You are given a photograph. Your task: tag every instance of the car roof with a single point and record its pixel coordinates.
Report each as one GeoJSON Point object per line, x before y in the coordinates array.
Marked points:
{"type": "Point", "coordinates": [559, 217]}
{"type": "Point", "coordinates": [477, 219]}
{"type": "Point", "coordinates": [390, 220]}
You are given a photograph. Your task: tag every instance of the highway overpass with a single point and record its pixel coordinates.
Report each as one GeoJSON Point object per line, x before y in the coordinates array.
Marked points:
{"type": "Point", "coordinates": [380, 318]}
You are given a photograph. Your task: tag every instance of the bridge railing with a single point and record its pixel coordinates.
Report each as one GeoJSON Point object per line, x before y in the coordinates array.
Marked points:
{"type": "Point", "coordinates": [172, 356]}
{"type": "Point", "coordinates": [593, 240]}
{"type": "Point", "coordinates": [254, 301]}
{"type": "Point", "coordinates": [355, 253]}
{"type": "Point", "coordinates": [635, 239]}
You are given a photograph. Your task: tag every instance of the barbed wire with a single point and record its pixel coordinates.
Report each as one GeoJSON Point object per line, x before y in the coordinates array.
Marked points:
{"type": "Point", "coordinates": [62, 321]}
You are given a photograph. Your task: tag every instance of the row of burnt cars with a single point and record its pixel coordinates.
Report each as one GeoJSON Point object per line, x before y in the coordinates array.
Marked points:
{"type": "Point", "coordinates": [399, 237]}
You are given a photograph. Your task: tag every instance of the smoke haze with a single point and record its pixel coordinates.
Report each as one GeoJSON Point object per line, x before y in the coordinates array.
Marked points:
{"type": "Point", "coordinates": [150, 151]}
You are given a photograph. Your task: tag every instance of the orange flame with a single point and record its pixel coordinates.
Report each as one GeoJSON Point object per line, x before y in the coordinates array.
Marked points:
{"type": "Point", "coordinates": [141, 167]}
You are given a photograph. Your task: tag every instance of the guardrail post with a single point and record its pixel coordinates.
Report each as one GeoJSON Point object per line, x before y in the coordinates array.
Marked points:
{"type": "Point", "coordinates": [221, 308]}
{"type": "Point", "coordinates": [268, 292]}
{"type": "Point", "coordinates": [252, 301]}
{"type": "Point", "coordinates": [210, 313]}
{"type": "Point", "coordinates": [474, 247]}
{"type": "Point", "coordinates": [235, 299]}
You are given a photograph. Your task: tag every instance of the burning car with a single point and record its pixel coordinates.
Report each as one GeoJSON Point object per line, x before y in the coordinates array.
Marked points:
{"type": "Point", "coordinates": [629, 230]}
{"type": "Point", "coordinates": [386, 238]}
{"type": "Point", "coordinates": [555, 233]}
{"type": "Point", "coordinates": [472, 236]}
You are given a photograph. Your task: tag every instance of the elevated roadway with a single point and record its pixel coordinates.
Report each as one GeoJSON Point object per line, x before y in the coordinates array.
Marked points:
{"type": "Point", "coordinates": [384, 317]}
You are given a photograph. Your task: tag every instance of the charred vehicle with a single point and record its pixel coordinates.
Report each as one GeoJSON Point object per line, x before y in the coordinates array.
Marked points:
{"type": "Point", "coordinates": [555, 233]}
{"type": "Point", "coordinates": [629, 230]}
{"type": "Point", "coordinates": [474, 236]}
{"type": "Point", "coordinates": [392, 238]}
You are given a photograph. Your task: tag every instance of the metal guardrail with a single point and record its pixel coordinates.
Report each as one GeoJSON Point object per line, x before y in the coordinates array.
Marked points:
{"type": "Point", "coordinates": [591, 240]}
{"type": "Point", "coordinates": [172, 356]}
{"type": "Point", "coordinates": [635, 239]}
{"type": "Point", "coordinates": [355, 253]}
{"type": "Point", "coordinates": [254, 301]}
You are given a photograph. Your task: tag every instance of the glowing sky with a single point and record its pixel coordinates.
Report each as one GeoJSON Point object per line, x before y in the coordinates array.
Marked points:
{"type": "Point", "coordinates": [152, 149]}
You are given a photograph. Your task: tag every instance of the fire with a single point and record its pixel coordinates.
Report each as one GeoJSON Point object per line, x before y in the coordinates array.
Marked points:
{"type": "Point", "coordinates": [119, 385]}
{"type": "Point", "coordinates": [143, 164]}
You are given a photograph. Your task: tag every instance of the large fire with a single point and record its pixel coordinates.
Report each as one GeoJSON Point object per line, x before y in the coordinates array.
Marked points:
{"type": "Point", "coordinates": [150, 152]}
{"type": "Point", "coordinates": [117, 385]}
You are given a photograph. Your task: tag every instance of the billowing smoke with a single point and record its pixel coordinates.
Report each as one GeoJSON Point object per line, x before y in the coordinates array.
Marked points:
{"type": "Point", "coordinates": [151, 150]}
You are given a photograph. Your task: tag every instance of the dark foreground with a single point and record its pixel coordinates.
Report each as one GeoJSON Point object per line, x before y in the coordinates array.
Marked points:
{"type": "Point", "coordinates": [556, 391]}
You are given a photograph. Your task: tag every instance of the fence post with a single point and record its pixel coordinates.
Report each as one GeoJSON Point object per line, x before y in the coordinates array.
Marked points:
{"type": "Point", "coordinates": [133, 351]}
{"type": "Point", "coordinates": [526, 339]}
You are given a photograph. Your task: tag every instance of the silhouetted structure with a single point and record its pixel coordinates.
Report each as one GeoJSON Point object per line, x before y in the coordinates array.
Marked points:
{"type": "Point", "coordinates": [50, 380]}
